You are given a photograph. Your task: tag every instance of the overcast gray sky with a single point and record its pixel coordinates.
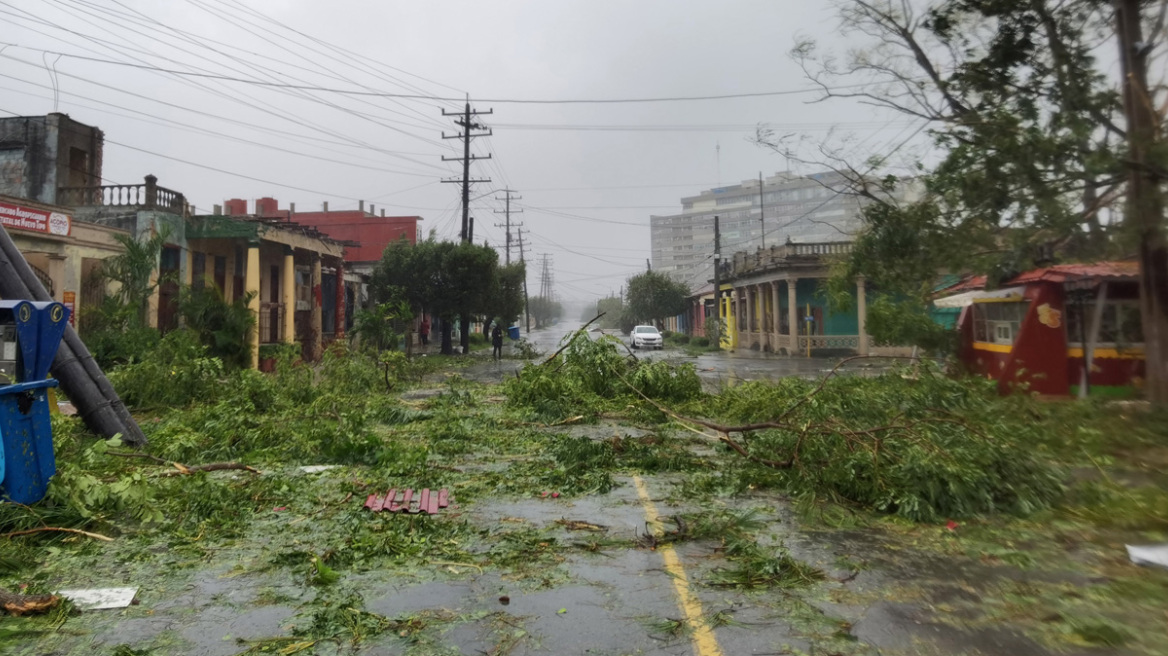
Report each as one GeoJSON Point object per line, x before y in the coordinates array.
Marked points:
{"type": "Point", "coordinates": [587, 192]}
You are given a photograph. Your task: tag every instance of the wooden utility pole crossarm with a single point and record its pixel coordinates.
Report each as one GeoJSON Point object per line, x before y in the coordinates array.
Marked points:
{"type": "Point", "coordinates": [466, 121]}
{"type": "Point", "coordinates": [507, 223]}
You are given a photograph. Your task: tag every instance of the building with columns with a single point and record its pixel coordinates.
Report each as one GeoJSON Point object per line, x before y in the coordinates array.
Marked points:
{"type": "Point", "coordinates": [771, 301]}
{"type": "Point", "coordinates": [365, 233]}
{"type": "Point", "coordinates": [282, 264]}
{"type": "Point", "coordinates": [66, 221]}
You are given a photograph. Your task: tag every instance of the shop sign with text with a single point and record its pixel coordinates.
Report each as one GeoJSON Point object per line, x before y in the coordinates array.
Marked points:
{"type": "Point", "coordinates": [15, 217]}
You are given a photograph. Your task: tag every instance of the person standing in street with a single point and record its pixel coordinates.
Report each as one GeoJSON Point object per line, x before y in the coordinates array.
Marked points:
{"type": "Point", "coordinates": [497, 342]}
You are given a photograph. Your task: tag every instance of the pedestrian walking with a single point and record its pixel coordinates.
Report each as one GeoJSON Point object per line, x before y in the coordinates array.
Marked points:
{"type": "Point", "coordinates": [497, 342]}
{"type": "Point", "coordinates": [424, 331]}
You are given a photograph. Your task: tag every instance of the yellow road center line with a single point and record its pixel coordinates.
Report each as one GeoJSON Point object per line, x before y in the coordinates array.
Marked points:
{"type": "Point", "coordinates": [705, 644]}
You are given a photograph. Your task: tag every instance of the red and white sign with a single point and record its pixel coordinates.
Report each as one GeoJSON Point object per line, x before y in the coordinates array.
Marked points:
{"type": "Point", "coordinates": [69, 300]}
{"type": "Point", "coordinates": [24, 218]}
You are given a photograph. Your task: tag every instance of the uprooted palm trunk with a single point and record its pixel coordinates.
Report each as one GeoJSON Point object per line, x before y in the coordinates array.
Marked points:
{"type": "Point", "coordinates": [18, 604]}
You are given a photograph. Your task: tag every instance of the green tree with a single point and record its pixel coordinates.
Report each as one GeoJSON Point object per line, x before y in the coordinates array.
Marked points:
{"type": "Point", "coordinates": [544, 310]}
{"type": "Point", "coordinates": [612, 307]}
{"type": "Point", "coordinates": [382, 325]}
{"type": "Point", "coordinates": [220, 326]}
{"type": "Point", "coordinates": [133, 271]}
{"type": "Point", "coordinates": [652, 296]}
{"type": "Point", "coordinates": [505, 301]}
{"type": "Point", "coordinates": [1028, 126]}
{"type": "Point", "coordinates": [118, 331]}
{"type": "Point", "coordinates": [440, 277]}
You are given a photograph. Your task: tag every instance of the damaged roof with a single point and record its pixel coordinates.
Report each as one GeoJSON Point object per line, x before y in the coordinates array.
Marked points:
{"type": "Point", "coordinates": [1080, 273]}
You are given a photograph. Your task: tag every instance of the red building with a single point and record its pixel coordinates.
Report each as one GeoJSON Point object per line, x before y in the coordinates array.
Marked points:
{"type": "Point", "coordinates": [1059, 330]}
{"type": "Point", "coordinates": [372, 231]}
{"type": "Point", "coordinates": [365, 236]}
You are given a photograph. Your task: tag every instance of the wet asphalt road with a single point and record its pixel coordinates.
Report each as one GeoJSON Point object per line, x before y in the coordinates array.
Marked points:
{"type": "Point", "coordinates": [721, 367]}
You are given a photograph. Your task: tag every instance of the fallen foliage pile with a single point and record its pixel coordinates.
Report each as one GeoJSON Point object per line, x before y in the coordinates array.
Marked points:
{"type": "Point", "coordinates": [916, 443]}
{"type": "Point", "coordinates": [581, 380]}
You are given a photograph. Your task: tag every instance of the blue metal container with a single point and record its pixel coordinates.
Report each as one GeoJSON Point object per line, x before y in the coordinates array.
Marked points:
{"type": "Point", "coordinates": [513, 332]}
{"type": "Point", "coordinates": [27, 461]}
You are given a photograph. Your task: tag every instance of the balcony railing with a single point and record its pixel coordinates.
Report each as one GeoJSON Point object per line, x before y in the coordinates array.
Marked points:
{"type": "Point", "coordinates": [147, 196]}
{"type": "Point", "coordinates": [763, 259]}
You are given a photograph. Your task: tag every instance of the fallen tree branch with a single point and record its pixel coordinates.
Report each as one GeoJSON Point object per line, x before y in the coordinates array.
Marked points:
{"type": "Point", "coordinates": [724, 431]}
{"type": "Point", "coordinates": [95, 536]}
{"type": "Point", "coordinates": [578, 332]}
{"type": "Point", "coordinates": [18, 604]}
{"type": "Point", "coordinates": [181, 469]}
{"type": "Point", "coordinates": [724, 437]}
{"type": "Point", "coordinates": [147, 456]}
{"type": "Point", "coordinates": [214, 466]}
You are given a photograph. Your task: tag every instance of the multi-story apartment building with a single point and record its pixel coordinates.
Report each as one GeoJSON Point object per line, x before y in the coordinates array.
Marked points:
{"type": "Point", "coordinates": [799, 209]}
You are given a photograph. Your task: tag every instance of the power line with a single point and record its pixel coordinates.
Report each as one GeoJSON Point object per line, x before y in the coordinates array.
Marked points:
{"type": "Point", "coordinates": [411, 96]}
{"type": "Point", "coordinates": [577, 217]}
{"type": "Point", "coordinates": [648, 127]}
{"type": "Point", "coordinates": [350, 53]}
{"type": "Point", "coordinates": [213, 168]}
{"type": "Point", "coordinates": [354, 142]}
{"type": "Point", "coordinates": [176, 125]}
{"type": "Point", "coordinates": [233, 97]}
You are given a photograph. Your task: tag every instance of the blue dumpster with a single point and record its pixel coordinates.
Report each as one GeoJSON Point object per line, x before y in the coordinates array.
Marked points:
{"type": "Point", "coordinates": [513, 332]}
{"type": "Point", "coordinates": [26, 437]}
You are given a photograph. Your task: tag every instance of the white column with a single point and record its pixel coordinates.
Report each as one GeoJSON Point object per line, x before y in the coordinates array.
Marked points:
{"type": "Point", "coordinates": [793, 315]}
{"type": "Point", "coordinates": [252, 286]}
{"type": "Point", "coordinates": [750, 308]}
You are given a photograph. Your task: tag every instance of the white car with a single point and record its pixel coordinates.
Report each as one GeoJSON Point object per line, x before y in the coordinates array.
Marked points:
{"type": "Point", "coordinates": [647, 337]}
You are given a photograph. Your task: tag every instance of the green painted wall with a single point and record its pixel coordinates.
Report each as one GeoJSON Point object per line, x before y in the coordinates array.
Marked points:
{"type": "Point", "coordinates": [835, 323]}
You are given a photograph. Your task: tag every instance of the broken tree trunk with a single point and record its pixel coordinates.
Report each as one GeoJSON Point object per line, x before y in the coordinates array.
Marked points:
{"type": "Point", "coordinates": [81, 379]}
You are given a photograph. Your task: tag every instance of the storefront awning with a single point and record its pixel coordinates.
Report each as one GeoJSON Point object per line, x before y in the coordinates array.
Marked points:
{"type": "Point", "coordinates": [967, 298]}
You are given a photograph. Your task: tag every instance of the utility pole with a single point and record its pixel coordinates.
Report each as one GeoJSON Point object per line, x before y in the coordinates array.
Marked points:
{"type": "Point", "coordinates": [526, 301]}
{"type": "Point", "coordinates": [717, 277]}
{"type": "Point", "coordinates": [648, 265]}
{"type": "Point", "coordinates": [468, 125]}
{"type": "Point", "coordinates": [546, 284]}
{"type": "Point", "coordinates": [466, 121]}
{"type": "Point", "coordinates": [507, 223]}
{"type": "Point", "coordinates": [761, 222]}
{"type": "Point", "coordinates": [1144, 213]}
